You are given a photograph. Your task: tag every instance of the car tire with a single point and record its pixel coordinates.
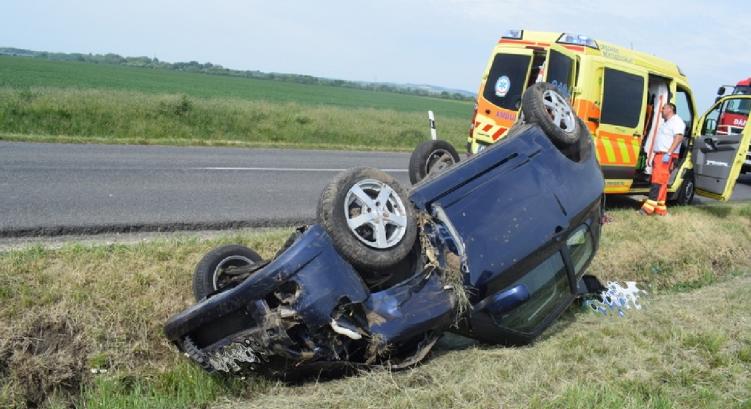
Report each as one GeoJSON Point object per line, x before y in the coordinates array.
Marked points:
{"type": "Point", "coordinates": [685, 194]}
{"type": "Point", "coordinates": [542, 104]}
{"type": "Point", "coordinates": [369, 218]}
{"type": "Point", "coordinates": [433, 156]}
{"type": "Point", "coordinates": [211, 272]}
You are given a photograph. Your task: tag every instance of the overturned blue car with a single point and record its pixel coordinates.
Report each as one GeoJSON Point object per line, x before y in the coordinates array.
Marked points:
{"type": "Point", "coordinates": [494, 248]}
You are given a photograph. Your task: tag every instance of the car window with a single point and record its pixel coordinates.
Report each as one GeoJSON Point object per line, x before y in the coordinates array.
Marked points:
{"type": "Point", "coordinates": [622, 97]}
{"type": "Point", "coordinates": [559, 72]}
{"type": "Point", "coordinates": [684, 109]}
{"type": "Point", "coordinates": [548, 286]}
{"type": "Point", "coordinates": [580, 247]}
{"type": "Point", "coordinates": [506, 80]}
{"type": "Point", "coordinates": [728, 118]}
{"type": "Point", "coordinates": [739, 106]}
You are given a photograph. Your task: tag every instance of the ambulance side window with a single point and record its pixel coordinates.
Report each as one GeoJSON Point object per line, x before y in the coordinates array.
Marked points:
{"type": "Point", "coordinates": [622, 97]}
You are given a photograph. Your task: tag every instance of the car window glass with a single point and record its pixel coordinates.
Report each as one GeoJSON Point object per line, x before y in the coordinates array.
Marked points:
{"type": "Point", "coordinates": [709, 127]}
{"type": "Point", "coordinates": [622, 98]}
{"type": "Point", "coordinates": [559, 72]}
{"type": "Point", "coordinates": [548, 287]}
{"type": "Point", "coordinates": [683, 108]}
{"type": "Point", "coordinates": [739, 106]}
{"type": "Point", "coordinates": [506, 80]}
{"type": "Point", "coordinates": [728, 118]}
{"type": "Point", "coordinates": [580, 247]}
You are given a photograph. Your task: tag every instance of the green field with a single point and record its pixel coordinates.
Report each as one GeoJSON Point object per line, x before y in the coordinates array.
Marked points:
{"type": "Point", "coordinates": [67, 314]}
{"type": "Point", "coordinates": [22, 72]}
{"type": "Point", "coordinates": [81, 102]}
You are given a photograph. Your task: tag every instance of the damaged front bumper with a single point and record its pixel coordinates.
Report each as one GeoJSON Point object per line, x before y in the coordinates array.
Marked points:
{"type": "Point", "coordinates": [309, 308]}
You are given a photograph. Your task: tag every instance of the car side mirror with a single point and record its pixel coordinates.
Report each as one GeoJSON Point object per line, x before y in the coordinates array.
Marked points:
{"type": "Point", "coordinates": [721, 91]}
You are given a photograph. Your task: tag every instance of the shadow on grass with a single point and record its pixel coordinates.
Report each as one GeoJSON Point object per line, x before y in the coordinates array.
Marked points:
{"type": "Point", "coordinates": [721, 211]}
{"type": "Point", "coordinates": [614, 202]}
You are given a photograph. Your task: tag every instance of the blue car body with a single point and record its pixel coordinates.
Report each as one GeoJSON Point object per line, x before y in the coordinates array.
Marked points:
{"type": "Point", "coordinates": [509, 234]}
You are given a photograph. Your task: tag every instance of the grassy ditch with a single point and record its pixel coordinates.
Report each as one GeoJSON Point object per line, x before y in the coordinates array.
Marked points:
{"type": "Point", "coordinates": [115, 116]}
{"type": "Point", "coordinates": [82, 324]}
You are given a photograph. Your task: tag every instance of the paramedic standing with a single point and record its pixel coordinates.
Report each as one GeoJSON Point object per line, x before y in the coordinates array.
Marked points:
{"type": "Point", "coordinates": [667, 146]}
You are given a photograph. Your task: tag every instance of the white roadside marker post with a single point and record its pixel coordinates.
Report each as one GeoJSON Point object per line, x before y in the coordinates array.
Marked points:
{"type": "Point", "coordinates": [431, 123]}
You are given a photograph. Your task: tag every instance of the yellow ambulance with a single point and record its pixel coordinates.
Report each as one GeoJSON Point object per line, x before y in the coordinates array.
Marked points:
{"type": "Point", "coordinates": [619, 94]}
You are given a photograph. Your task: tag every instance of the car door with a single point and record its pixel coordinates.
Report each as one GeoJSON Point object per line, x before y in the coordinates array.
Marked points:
{"type": "Point", "coordinates": [718, 155]}
{"type": "Point", "coordinates": [560, 69]}
{"type": "Point", "coordinates": [619, 134]}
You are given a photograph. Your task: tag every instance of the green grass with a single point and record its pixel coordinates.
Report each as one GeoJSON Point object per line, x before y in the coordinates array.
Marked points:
{"type": "Point", "coordinates": [22, 73]}
{"type": "Point", "coordinates": [66, 311]}
{"type": "Point", "coordinates": [88, 115]}
{"type": "Point", "coordinates": [72, 102]}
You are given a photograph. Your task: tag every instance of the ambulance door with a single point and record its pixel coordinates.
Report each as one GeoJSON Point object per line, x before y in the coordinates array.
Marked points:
{"type": "Point", "coordinates": [619, 133]}
{"type": "Point", "coordinates": [506, 78]}
{"type": "Point", "coordinates": [560, 70]}
{"type": "Point", "coordinates": [718, 155]}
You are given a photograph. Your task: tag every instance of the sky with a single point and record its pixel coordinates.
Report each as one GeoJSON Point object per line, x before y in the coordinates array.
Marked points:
{"type": "Point", "coordinates": [440, 42]}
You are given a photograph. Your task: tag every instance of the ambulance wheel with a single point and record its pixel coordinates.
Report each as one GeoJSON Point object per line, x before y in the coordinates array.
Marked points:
{"type": "Point", "coordinates": [685, 194]}
{"type": "Point", "coordinates": [431, 157]}
{"type": "Point", "coordinates": [369, 218]}
{"type": "Point", "coordinates": [542, 104]}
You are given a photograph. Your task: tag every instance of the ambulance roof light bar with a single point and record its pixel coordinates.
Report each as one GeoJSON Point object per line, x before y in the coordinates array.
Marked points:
{"type": "Point", "coordinates": [513, 34]}
{"type": "Point", "coordinates": [577, 39]}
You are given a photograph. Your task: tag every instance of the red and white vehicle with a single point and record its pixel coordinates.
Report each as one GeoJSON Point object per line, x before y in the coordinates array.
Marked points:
{"type": "Point", "coordinates": [735, 115]}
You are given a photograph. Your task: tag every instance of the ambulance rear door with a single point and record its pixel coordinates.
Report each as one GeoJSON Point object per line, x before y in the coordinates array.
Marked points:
{"type": "Point", "coordinates": [718, 154]}
{"type": "Point", "coordinates": [507, 78]}
{"type": "Point", "coordinates": [560, 69]}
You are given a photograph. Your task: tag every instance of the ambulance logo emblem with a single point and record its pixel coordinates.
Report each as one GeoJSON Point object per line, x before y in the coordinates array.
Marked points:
{"type": "Point", "coordinates": [502, 86]}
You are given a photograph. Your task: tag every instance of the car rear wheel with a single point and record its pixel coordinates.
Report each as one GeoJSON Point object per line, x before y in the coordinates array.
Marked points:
{"type": "Point", "coordinates": [431, 157]}
{"type": "Point", "coordinates": [369, 218]}
{"type": "Point", "coordinates": [219, 267]}
{"type": "Point", "coordinates": [543, 105]}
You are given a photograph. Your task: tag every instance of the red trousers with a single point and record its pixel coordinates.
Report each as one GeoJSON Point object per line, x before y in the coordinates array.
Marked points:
{"type": "Point", "coordinates": [658, 192]}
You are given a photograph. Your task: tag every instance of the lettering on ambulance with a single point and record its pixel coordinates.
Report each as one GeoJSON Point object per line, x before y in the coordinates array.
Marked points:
{"type": "Point", "coordinates": [614, 53]}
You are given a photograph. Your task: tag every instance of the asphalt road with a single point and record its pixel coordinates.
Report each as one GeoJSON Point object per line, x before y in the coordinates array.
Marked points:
{"type": "Point", "coordinates": [48, 189]}
{"type": "Point", "coordinates": [51, 189]}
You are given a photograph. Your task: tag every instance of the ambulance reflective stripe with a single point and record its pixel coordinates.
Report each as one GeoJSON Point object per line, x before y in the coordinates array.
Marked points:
{"type": "Point", "coordinates": [615, 149]}
{"type": "Point", "coordinates": [493, 131]}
